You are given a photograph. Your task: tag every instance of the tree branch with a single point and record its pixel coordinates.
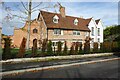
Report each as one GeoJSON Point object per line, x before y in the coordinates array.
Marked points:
{"type": "Point", "coordinates": [37, 5]}
{"type": "Point", "coordinates": [24, 12]}
{"type": "Point", "coordinates": [24, 6]}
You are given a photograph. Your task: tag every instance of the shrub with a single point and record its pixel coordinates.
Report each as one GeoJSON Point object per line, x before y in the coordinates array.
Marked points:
{"type": "Point", "coordinates": [44, 45]}
{"type": "Point", "coordinates": [76, 47]}
{"type": "Point", "coordinates": [72, 49]}
{"type": "Point", "coordinates": [101, 47]}
{"type": "Point", "coordinates": [86, 47]}
{"type": "Point", "coordinates": [107, 46]}
{"type": "Point", "coordinates": [49, 48]}
{"type": "Point", "coordinates": [80, 48]}
{"type": "Point", "coordinates": [54, 50]}
{"type": "Point", "coordinates": [65, 50]}
{"type": "Point", "coordinates": [95, 47]}
{"type": "Point", "coordinates": [118, 47]}
{"type": "Point", "coordinates": [115, 46]}
{"type": "Point", "coordinates": [7, 50]}
{"type": "Point", "coordinates": [34, 48]}
{"type": "Point", "coordinates": [21, 52]}
{"type": "Point", "coordinates": [59, 48]}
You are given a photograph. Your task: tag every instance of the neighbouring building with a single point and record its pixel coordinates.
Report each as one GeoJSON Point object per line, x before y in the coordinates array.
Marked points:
{"type": "Point", "coordinates": [96, 34]}
{"type": "Point", "coordinates": [60, 27]}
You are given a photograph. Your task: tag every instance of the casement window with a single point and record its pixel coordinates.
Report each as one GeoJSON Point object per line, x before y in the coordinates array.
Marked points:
{"type": "Point", "coordinates": [55, 19]}
{"type": "Point", "coordinates": [92, 31]}
{"type": "Point", "coordinates": [57, 31]}
{"type": "Point", "coordinates": [98, 31]}
{"type": "Point", "coordinates": [75, 22]}
{"type": "Point", "coordinates": [76, 32]}
{"type": "Point", "coordinates": [92, 40]}
{"type": "Point", "coordinates": [54, 43]}
{"type": "Point", "coordinates": [35, 30]}
{"type": "Point", "coordinates": [98, 39]}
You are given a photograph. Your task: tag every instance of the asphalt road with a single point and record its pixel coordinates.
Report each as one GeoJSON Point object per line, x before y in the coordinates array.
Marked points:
{"type": "Point", "coordinates": [96, 70]}
{"type": "Point", "coordinates": [28, 65]}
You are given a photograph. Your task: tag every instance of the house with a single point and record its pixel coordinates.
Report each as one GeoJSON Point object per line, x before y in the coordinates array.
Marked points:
{"type": "Point", "coordinates": [59, 27]}
{"type": "Point", "coordinates": [96, 34]}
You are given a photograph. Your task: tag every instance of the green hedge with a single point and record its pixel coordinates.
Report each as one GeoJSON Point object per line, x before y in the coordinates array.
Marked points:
{"type": "Point", "coordinates": [76, 48]}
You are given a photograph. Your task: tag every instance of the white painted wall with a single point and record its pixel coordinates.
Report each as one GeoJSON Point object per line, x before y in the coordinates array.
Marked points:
{"type": "Point", "coordinates": [95, 36]}
{"type": "Point", "coordinates": [93, 24]}
{"type": "Point", "coordinates": [101, 31]}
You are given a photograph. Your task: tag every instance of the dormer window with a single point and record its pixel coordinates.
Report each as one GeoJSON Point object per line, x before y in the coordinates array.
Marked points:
{"type": "Point", "coordinates": [55, 19]}
{"type": "Point", "coordinates": [76, 22]}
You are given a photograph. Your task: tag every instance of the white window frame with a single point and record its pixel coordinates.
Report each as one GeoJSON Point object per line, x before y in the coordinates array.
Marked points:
{"type": "Point", "coordinates": [76, 22]}
{"type": "Point", "coordinates": [99, 40]}
{"type": "Point", "coordinates": [57, 32]}
{"type": "Point", "coordinates": [55, 19]}
{"type": "Point", "coordinates": [98, 31]}
{"type": "Point", "coordinates": [56, 43]}
{"type": "Point", "coordinates": [92, 31]}
{"type": "Point", "coordinates": [76, 32]}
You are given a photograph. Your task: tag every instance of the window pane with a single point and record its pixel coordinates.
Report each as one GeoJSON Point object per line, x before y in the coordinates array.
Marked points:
{"type": "Point", "coordinates": [74, 32]}
{"type": "Point", "coordinates": [98, 31]}
{"type": "Point", "coordinates": [98, 39]}
{"type": "Point", "coordinates": [78, 32]}
{"type": "Point", "coordinates": [92, 31]}
{"type": "Point", "coordinates": [57, 31]}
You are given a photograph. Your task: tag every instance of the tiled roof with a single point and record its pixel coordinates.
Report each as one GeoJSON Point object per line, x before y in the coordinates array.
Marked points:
{"type": "Point", "coordinates": [97, 21]}
{"type": "Point", "coordinates": [65, 23]}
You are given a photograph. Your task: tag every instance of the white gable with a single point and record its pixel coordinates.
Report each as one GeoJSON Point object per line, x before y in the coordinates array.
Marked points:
{"type": "Point", "coordinates": [76, 21]}
{"type": "Point", "coordinates": [56, 17]}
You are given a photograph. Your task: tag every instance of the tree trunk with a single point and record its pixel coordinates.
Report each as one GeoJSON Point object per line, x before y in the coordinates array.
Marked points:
{"type": "Point", "coordinates": [29, 24]}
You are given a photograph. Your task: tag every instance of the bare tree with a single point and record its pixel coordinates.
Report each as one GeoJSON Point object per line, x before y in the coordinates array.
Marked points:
{"type": "Point", "coordinates": [28, 10]}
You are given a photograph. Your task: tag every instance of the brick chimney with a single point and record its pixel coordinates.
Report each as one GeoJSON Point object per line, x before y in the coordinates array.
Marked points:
{"type": "Point", "coordinates": [62, 11]}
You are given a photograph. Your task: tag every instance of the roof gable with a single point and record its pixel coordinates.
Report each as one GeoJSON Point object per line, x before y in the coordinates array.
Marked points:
{"type": "Point", "coordinates": [97, 21]}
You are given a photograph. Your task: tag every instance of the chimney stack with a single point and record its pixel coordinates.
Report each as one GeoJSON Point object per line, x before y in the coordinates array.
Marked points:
{"type": "Point", "coordinates": [62, 11]}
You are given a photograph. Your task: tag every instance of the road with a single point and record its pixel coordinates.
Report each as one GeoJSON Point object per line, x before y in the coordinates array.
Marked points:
{"type": "Point", "coordinates": [96, 70]}
{"type": "Point", "coordinates": [28, 65]}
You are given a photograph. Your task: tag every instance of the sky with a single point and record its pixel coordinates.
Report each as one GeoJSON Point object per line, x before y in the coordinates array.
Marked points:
{"type": "Point", "coordinates": [106, 11]}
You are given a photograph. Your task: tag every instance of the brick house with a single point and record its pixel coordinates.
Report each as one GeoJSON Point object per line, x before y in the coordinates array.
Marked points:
{"type": "Point", "coordinates": [56, 27]}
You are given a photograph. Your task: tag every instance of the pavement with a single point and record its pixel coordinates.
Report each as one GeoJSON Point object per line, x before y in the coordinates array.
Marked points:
{"type": "Point", "coordinates": [28, 65]}
{"type": "Point", "coordinates": [21, 68]}
{"type": "Point", "coordinates": [107, 69]}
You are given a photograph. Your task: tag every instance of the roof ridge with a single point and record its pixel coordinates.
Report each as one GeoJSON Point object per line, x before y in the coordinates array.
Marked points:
{"type": "Point", "coordinates": [59, 14]}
